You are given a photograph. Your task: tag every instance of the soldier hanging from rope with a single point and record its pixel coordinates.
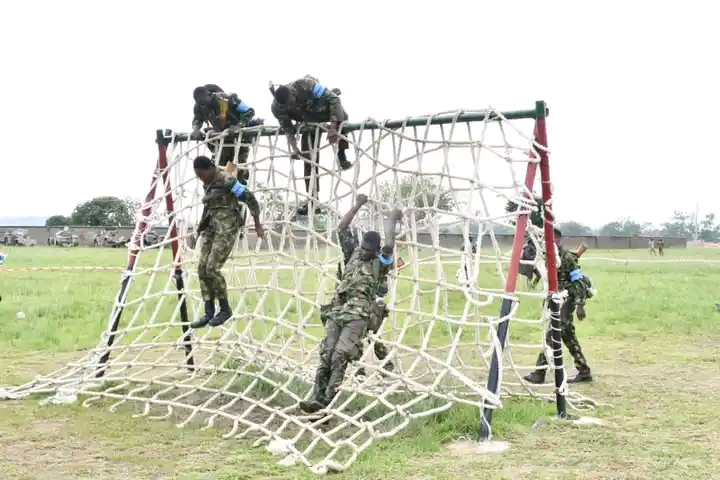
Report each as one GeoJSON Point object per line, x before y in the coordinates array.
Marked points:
{"type": "Point", "coordinates": [219, 226]}
{"type": "Point", "coordinates": [380, 311]}
{"type": "Point", "coordinates": [307, 100]}
{"type": "Point", "coordinates": [353, 309]}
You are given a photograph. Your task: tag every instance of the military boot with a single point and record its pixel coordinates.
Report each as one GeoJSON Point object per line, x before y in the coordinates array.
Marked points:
{"type": "Point", "coordinates": [537, 377]}
{"type": "Point", "coordinates": [388, 367]}
{"type": "Point", "coordinates": [312, 406]}
{"type": "Point", "coordinates": [584, 376]}
{"type": "Point", "coordinates": [342, 158]}
{"type": "Point", "coordinates": [317, 403]}
{"type": "Point", "coordinates": [223, 315]}
{"type": "Point", "coordinates": [205, 319]}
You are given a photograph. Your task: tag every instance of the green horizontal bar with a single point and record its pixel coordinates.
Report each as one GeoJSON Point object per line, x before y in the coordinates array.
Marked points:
{"type": "Point", "coordinates": [540, 110]}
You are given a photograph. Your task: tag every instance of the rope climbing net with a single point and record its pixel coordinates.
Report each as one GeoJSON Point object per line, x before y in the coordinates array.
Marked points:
{"type": "Point", "coordinates": [454, 174]}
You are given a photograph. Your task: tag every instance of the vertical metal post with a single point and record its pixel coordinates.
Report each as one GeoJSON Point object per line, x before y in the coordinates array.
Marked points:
{"type": "Point", "coordinates": [551, 259]}
{"type": "Point", "coordinates": [493, 382]}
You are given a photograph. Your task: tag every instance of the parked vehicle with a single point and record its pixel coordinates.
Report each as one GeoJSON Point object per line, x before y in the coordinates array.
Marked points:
{"type": "Point", "coordinates": [107, 238]}
{"type": "Point", "coordinates": [65, 238]}
{"type": "Point", "coordinates": [18, 237]}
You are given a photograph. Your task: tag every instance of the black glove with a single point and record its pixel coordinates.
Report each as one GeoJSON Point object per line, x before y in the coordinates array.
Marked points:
{"type": "Point", "coordinates": [196, 135]}
{"type": "Point", "coordinates": [581, 312]}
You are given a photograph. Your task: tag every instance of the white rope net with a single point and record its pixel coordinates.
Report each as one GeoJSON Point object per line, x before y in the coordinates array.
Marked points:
{"type": "Point", "coordinates": [249, 375]}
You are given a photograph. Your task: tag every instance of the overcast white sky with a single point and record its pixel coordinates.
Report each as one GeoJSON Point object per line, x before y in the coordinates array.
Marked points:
{"type": "Point", "coordinates": [633, 87]}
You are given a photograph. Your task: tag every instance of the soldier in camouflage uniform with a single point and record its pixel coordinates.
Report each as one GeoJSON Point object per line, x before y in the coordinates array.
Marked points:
{"type": "Point", "coordinates": [579, 288]}
{"type": "Point", "coordinates": [350, 243]}
{"type": "Point", "coordinates": [307, 100]}
{"type": "Point", "coordinates": [219, 225]}
{"type": "Point", "coordinates": [350, 313]}
{"type": "Point", "coordinates": [223, 111]}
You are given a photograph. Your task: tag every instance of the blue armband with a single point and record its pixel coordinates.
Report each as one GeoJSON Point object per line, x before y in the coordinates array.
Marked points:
{"type": "Point", "coordinates": [575, 275]}
{"type": "Point", "coordinates": [318, 90]}
{"type": "Point", "coordinates": [384, 259]}
{"type": "Point", "coordinates": [238, 189]}
{"type": "Point", "coordinates": [242, 107]}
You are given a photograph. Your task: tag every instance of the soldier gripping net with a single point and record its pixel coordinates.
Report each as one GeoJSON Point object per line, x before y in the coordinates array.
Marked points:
{"type": "Point", "coordinates": [451, 174]}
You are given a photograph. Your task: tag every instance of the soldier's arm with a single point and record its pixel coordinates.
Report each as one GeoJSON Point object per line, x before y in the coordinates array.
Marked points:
{"type": "Point", "coordinates": [283, 118]}
{"type": "Point", "coordinates": [243, 194]}
{"type": "Point", "coordinates": [320, 91]}
{"type": "Point", "coordinates": [243, 111]}
{"type": "Point", "coordinates": [198, 119]}
{"type": "Point", "coordinates": [575, 286]}
{"type": "Point", "coordinates": [386, 254]}
{"type": "Point", "coordinates": [348, 242]}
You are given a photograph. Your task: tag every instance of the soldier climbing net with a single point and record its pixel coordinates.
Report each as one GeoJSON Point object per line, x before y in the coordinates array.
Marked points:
{"type": "Point", "coordinates": [452, 310]}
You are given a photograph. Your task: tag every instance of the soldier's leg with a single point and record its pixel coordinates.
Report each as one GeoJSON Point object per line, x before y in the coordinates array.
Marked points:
{"type": "Point", "coordinates": [226, 155]}
{"type": "Point", "coordinates": [347, 349]}
{"type": "Point", "coordinates": [306, 142]}
{"type": "Point", "coordinates": [225, 236]}
{"type": "Point", "coordinates": [213, 149]}
{"type": "Point", "coordinates": [206, 281]}
{"type": "Point", "coordinates": [243, 173]}
{"type": "Point", "coordinates": [569, 338]}
{"type": "Point", "coordinates": [322, 374]}
{"type": "Point", "coordinates": [536, 277]}
{"type": "Point", "coordinates": [311, 165]}
{"type": "Point", "coordinates": [343, 146]}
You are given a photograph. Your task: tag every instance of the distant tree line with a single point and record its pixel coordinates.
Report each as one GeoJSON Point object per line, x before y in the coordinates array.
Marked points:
{"type": "Point", "coordinates": [423, 192]}
{"type": "Point", "coordinates": [681, 224]}
{"type": "Point", "coordinates": [98, 212]}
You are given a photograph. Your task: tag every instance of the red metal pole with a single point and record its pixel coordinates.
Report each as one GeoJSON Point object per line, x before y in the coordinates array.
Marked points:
{"type": "Point", "coordinates": [493, 382]}
{"type": "Point", "coordinates": [553, 287]}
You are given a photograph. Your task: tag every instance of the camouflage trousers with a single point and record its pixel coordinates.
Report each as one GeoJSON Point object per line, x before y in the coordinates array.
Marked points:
{"type": "Point", "coordinates": [344, 334]}
{"type": "Point", "coordinates": [307, 146]}
{"type": "Point", "coordinates": [569, 338]}
{"type": "Point", "coordinates": [218, 243]}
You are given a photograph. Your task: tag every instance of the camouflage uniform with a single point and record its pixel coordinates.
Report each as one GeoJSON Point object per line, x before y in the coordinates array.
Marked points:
{"type": "Point", "coordinates": [529, 253]}
{"type": "Point", "coordinates": [570, 279]}
{"type": "Point", "coordinates": [220, 224]}
{"type": "Point", "coordinates": [349, 317]}
{"type": "Point", "coordinates": [349, 243]}
{"type": "Point", "coordinates": [314, 104]}
{"type": "Point", "coordinates": [226, 110]}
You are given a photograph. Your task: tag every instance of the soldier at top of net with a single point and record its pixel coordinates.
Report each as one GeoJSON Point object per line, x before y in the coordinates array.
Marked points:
{"type": "Point", "coordinates": [218, 109]}
{"type": "Point", "coordinates": [308, 100]}
{"type": "Point", "coordinates": [348, 318]}
{"type": "Point", "coordinates": [224, 111]}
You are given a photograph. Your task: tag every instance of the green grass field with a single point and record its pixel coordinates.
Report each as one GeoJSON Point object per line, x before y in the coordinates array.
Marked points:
{"type": "Point", "coordinates": [652, 338]}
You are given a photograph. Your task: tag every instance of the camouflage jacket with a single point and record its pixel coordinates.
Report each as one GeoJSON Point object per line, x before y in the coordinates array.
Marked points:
{"type": "Point", "coordinates": [362, 281]}
{"type": "Point", "coordinates": [314, 103]}
{"type": "Point", "coordinates": [221, 198]}
{"type": "Point", "coordinates": [226, 110]}
{"type": "Point", "coordinates": [569, 276]}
